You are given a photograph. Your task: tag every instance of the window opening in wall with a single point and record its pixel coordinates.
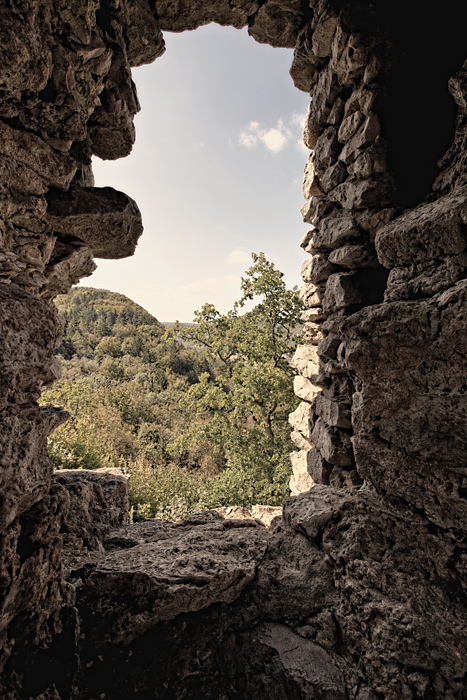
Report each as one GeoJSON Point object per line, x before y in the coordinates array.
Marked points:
{"type": "Point", "coordinates": [217, 171]}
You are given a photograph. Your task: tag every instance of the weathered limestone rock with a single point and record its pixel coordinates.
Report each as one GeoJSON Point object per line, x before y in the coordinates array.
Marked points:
{"type": "Point", "coordinates": [417, 428]}
{"type": "Point", "coordinates": [181, 15]}
{"type": "Point", "coordinates": [430, 231]}
{"type": "Point", "coordinates": [98, 504]}
{"type": "Point", "coordinates": [171, 569]}
{"type": "Point", "coordinates": [278, 22]}
{"type": "Point", "coordinates": [107, 221]}
{"type": "Point", "coordinates": [32, 165]}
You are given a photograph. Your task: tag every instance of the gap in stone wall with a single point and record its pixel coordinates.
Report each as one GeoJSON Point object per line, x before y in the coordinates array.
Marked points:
{"type": "Point", "coordinates": [197, 186]}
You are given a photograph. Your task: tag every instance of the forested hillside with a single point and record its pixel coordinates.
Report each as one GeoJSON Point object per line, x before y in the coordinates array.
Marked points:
{"type": "Point", "coordinates": [197, 424]}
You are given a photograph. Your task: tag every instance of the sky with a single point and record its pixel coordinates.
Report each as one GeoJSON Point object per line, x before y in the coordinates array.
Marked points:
{"type": "Point", "coordinates": [216, 171]}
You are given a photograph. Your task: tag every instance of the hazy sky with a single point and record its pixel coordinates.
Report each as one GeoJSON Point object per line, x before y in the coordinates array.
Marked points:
{"type": "Point", "coordinates": [216, 171]}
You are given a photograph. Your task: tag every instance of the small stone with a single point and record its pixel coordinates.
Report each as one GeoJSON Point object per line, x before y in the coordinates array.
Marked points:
{"type": "Point", "coordinates": [315, 315]}
{"type": "Point", "coordinates": [333, 413]}
{"type": "Point", "coordinates": [362, 194]}
{"type": "Point", "coordinates": [326, 150]}
{"type": "Point", "coordinates": [349, 126]}
{"type": "Point", "coordinates": [316, 269]}
{"type": "Point", "coordinates": [328, 346]}
{"type": "Point", "coordinates": [310, 209]}
{"type": "Point", "coordinates": [305, 68]}
{"type": "Point", "coordinates": [323, 35]}
{"type": "Point", "coordinates": [318, 468]}
{"type": "Point", "coordinates": [333, 443]}
{"type": "Point", "coordinates": [334, 176]}
{"type": "Point", "coordinates": [361, 99]}
{"type": "Point", "coordinates": [369, 163]}
{"type": "Point", "coordinates": [335, 115]}
{"type": "Point", "coordinates": [306, 360]}
{"type": "Point", "coordinates": [352, 62]}
{"type": "Point", "coordinates": [307, 238]}
{"type": "Point", "coordinates": [354, 256]}
{"type": "Point", "coordinates": [311, 295]}
{"type": "Point", "coordinates": [311, 183]}
{"type": "Point", "coordinates": [342, 291]}
{"type": "Point", "coordinates": [302, 419]}
{"type": "Point", "coordinates": [365, 137]}
{"type": "Point", "coordinates": [333, 232]}
{"type": "Point", "coordinates": [300, 481]}
{"type": "Point", "coordinates": [312, 332]}
{"type": "Point", "coordinates": [300, 441]}
{"type": "Point", "coordinates": [324, 96]}
{"type": "Point", "coordinates": [304, 389]}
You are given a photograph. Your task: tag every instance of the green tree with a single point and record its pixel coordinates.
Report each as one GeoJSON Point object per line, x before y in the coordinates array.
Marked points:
{"type": "Point", "coordinates": [242, 410]}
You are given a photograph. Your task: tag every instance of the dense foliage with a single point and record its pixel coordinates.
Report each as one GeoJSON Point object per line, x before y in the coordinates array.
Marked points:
{"type": "Point", "coordinates": [196, 414]}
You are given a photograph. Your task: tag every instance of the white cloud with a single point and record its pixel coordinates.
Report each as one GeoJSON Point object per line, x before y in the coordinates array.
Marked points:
{"type": "Point", "coordinates": [298, 120]}
{"type": "Point", "coordinates": [274, 138]}
{"type": "Point", "coordinates": [239, 256]}
{"type": "Point", "coordinates": [247, 139]}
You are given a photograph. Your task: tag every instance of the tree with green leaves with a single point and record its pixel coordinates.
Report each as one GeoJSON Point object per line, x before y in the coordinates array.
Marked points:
{"type": "Point", "coordinates": [242, 408]}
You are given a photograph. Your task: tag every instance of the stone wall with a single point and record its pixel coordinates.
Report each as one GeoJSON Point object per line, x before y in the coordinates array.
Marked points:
{"type": "Point", "coordinates": [360, 590]}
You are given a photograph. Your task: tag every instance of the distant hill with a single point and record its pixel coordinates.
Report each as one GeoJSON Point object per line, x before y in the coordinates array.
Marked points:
{"type": "Point", "coordinates": [92, 314]}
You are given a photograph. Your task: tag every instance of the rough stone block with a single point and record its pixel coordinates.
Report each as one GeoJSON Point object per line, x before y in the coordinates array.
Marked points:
{"type": "Point", "coordinates": [315, 315]}
{"type": "Point", "coordinates": [318, 468]}
{"type": "Point", "coordinates": [326, 150]}
{"type": "Point", "coordinates": [310, 209]}
{"type": "Point", "coordinates": [311, 183]}
{"type": "Point", "coordinates": [316, 269]}
{"type": "Point", "coordinates": [369, 163]}
{"type": "Point", "coordinates": [428, 232]}
{"type": "Point", "coordinates": [304, 389]}
{"type": "Point", "coordinates": [362, 99]}
{"type": "Point", "coordinates": [337, 111]}
{"type": "Point", "coordinates": [410, 425]}
{"type": "Point", "coordinates": [305, 68]}
{"type": "Point", "coordinates": [333, 232]}
{"type": "Point", "coordinates": [349, 126]}
{"type": "Point", "coordinates": [312, 332]}
{"type": "Point", "coordinates": [365, 137]}
{"type": "Point", "coordinates": [327, 347]}
{"type": "Point", "coordinates": [302, 420]}
{"type": "Point", "coordinates": [362, 194]}
{"type": "Point", "coordinates": [334, 413]}
{"type": "Point", "coordinates": [182, 15]}
{"type": "Point", "coordinates": [311, 295]}
{"type": "Point", "coordinates": [309, 666]}
{"type": "Point", "coordinates": [276, 23]}
{"type": "Point", "coordinates": [333, 443]}
{"type": "Point", "coordinates": [107, 221]}
{"type": "Point", "coordinates": [350, 67]}
{"type": "Point", "coordinates": [306, 361]}
{"type": "Point", "coordinates": [34, 165]}
{"type": "Point", "coordinates": [325, 94]}
{"type": "Point", "coordinates": [334, 176]}
{"type": "Point", "coordinates": [342, 291]}
{"type": "Point", "coordinates": [300, 481]}
{"type": "Point", "coordinates": [300, 441]}
{"type": "Point", "coordinates": [323, 35]}
{"type": "Point", "coordinates": [354, 256]}
{"type": "Point", "coordinates": [143, 37]}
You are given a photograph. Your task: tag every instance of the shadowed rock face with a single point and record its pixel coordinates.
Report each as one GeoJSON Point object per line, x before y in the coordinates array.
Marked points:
{"type": "Point", "coordinates": [359, 590]}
